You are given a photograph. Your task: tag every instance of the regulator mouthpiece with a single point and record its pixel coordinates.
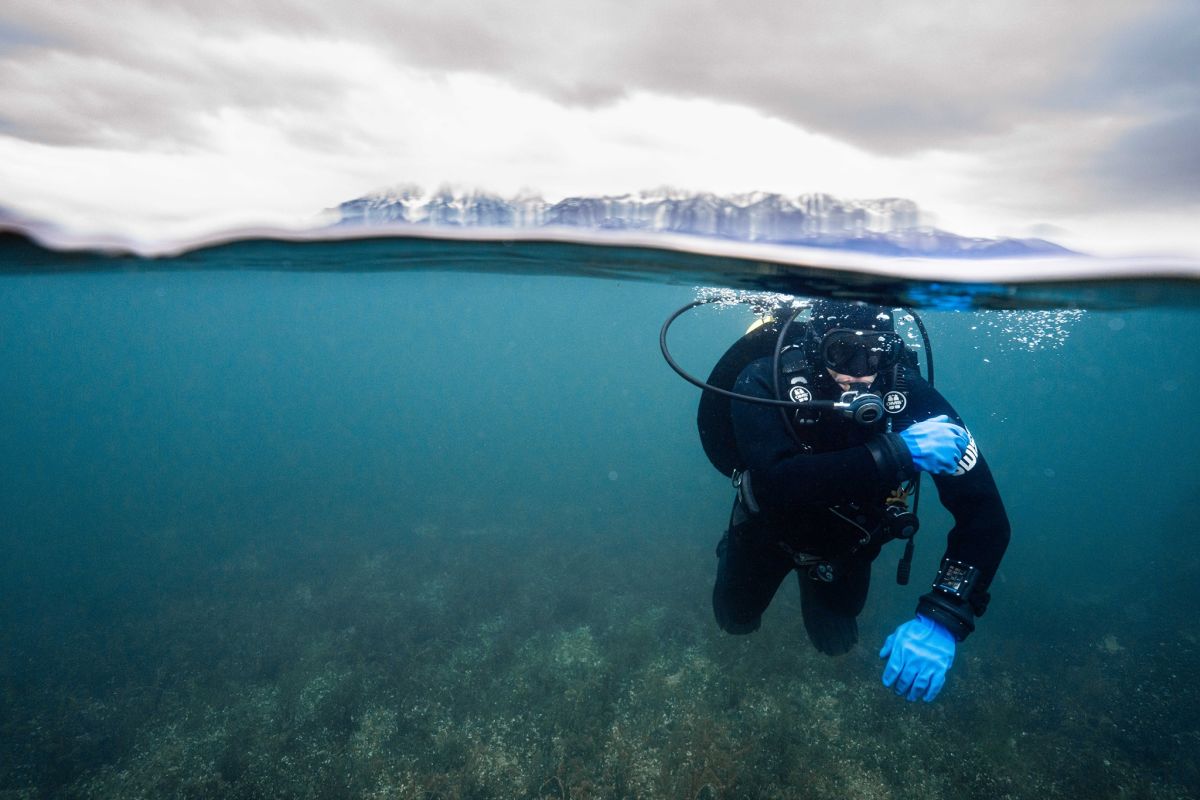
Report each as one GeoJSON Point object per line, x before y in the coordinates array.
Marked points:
{"type": "Point", "coordinates": [863, 407]}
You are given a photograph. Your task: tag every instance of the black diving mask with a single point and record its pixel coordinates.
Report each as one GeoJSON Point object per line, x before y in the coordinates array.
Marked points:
{"type": "Point", "coordinates": [857, 352]}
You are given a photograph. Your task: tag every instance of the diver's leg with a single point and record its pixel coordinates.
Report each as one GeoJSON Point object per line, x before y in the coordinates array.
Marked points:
{"type": "Point", "coordinates": [749, 571]}
{"type": "Point", "coordinates": [848, 594]}
{"type": "Point", "coordinates": [830, 610]}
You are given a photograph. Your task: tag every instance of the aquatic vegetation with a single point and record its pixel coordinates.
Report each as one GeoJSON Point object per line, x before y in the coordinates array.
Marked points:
{"type": "Point", "coordinates": [394, 670]}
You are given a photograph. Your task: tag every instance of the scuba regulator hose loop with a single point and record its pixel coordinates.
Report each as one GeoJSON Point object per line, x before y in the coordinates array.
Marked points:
{"type": "Point", "coordinates": [692, 379]}
{"type": "Point", "coordinates": [767, 401]}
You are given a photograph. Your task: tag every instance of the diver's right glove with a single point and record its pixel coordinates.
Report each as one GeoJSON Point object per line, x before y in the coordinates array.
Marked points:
{"type": "Point", "coordinates": [936, 444]}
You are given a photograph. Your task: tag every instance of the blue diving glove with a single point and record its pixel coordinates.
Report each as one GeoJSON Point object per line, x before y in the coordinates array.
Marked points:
{"type": "Point", "coordinates": [919, 653]}
{"type": "Point", "coordinates": [936, 444]}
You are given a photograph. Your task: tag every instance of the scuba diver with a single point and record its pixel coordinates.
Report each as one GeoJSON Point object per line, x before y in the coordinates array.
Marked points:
{"type": "Point", "coordinates": [825, 434]}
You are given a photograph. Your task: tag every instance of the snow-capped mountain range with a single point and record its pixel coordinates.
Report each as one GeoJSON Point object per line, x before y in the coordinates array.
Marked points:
{"type": "Point", "coordinates": [890, 226]}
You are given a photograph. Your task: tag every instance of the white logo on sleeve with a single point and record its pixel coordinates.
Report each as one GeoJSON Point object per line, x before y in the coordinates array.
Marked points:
{"type": "Point", "coordinates": [969, 457]}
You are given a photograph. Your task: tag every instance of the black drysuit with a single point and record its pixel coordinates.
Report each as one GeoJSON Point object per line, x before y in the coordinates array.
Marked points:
{"type": "Point", "coordinates": [824, 496]}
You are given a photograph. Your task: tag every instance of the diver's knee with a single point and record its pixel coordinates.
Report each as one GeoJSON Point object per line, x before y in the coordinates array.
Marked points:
{"type": "Point", "coordinates": [738, 625]}
{"type": "Point", "coordinates": [740, 628]}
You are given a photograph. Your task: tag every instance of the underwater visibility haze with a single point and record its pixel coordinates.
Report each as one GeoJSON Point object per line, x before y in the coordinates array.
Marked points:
{"type": "Point", "coordinates": [429, 518]}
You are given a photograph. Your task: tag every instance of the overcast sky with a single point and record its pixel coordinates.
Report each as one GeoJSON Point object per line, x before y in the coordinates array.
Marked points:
{"type": "Point", "coordinates": [1079, 122]}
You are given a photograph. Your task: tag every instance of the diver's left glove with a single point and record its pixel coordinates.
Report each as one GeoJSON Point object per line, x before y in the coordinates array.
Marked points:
{"type": "Point", "coordinates": [919, 654]}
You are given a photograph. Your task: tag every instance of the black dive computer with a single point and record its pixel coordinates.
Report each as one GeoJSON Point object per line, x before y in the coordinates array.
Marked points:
{"type": "Point", "coordinates": [956, 579]}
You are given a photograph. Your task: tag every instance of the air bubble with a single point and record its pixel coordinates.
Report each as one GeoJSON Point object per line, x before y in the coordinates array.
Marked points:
{"type": "Point", "coordinates": [760, 302]}
{"type": "Point", "coordinates": [1028, 330]}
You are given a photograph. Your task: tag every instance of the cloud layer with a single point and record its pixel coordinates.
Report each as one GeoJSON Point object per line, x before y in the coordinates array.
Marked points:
{"type": "Point", "coordinates": [1044, 107]}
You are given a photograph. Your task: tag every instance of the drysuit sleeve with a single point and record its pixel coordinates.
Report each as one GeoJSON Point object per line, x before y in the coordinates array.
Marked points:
{"type": "Point", "coordinates": [981, 530]}
{"type": "Point", "coordinates": [787, 480]}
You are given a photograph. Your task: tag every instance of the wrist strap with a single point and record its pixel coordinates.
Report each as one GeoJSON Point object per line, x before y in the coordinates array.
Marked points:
{"type": "Point", "coordinates": [892, 457]}
{"type": "Point", "coordinates": [955, 617]}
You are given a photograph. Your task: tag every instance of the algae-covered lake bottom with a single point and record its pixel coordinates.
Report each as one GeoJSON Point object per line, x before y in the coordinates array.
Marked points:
{"type": "Point", "coordinates": [442, 535]}
{"type": "Point", "coordinates": [530, 670]}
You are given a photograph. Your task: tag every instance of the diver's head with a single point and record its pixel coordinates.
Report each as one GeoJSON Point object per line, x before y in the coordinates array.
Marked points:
{"type": "Point", "coordinates": [853, 341]}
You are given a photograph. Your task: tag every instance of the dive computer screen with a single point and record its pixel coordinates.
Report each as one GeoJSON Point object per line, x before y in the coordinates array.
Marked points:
{"type": "Point", "coordinates": [956, 578]}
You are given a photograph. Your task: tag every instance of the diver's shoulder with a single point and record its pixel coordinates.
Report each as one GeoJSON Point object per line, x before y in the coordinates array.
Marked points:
{"type": "Point", "coordinates": [756, 373]}
{"type": "Point", "coordinates": [923, 398]}
{"type": "Point", "coordinates": [914, 382]}
{"type": "Point", "coordinates": [920, 391]}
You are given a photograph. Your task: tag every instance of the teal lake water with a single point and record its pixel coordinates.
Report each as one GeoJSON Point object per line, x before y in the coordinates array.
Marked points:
{"type": "Point", "coordinates": [363, 527]}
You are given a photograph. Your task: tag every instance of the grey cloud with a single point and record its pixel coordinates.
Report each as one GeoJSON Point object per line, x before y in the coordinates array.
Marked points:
{"type": "Point", "coordinates": [890, 77]}
{"type": "Point", "coordinates": [14, 36]}
{"type": "Point", "coordinates": [1153, 72]}
{"type": "Point", "coordinates": [1117, 132]}
{"type": "Point", "coordinates": [110, 81]}
{"type": "Point", "coordinates": [1155, 60]}
{"type": "Point", "coordinates": [1156, 165]}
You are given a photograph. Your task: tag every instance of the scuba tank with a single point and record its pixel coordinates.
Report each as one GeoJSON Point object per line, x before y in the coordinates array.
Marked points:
{"type": "Point", "coordinates": [714, 415]}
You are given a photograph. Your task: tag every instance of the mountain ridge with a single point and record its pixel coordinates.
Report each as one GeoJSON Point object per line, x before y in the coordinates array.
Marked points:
{"type": "Point", "coordinates": [886, 226]}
